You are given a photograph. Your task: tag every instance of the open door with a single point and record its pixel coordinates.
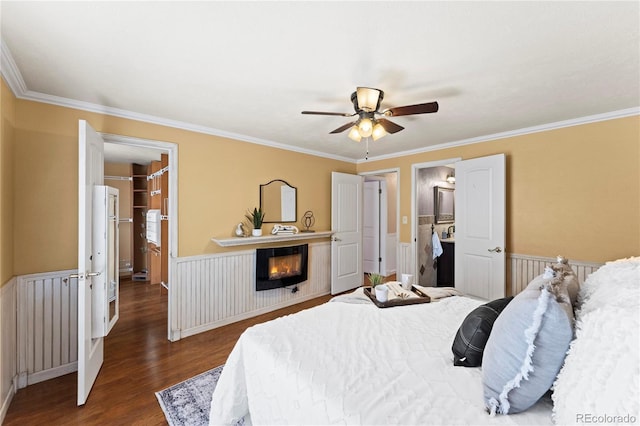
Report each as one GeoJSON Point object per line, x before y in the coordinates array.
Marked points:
{"type": "Point", "coordinates": [346, 224]}
{"type": "Point", "coordinates": [93, 276]}
{"type": "Point", "coordinates": [480, 227]}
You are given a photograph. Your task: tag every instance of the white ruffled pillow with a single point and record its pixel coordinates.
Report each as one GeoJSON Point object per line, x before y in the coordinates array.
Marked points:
{"type": "Point", "coordinates": [599, 382]}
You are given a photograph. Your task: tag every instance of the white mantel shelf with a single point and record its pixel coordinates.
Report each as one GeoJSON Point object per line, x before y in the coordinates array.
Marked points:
{"type": "Point", "coordinates": [269, 238]}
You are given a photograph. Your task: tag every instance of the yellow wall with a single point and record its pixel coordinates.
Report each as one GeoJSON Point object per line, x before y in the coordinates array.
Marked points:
{"type": "Point", "coordinates": [218, 180]}
{"type": "Point", "coordinates": [7, 119]}
{"type": "Point", "coordinates": [573, 191]}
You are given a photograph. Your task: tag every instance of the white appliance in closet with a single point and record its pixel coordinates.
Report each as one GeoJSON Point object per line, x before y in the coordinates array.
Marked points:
{"type": "Point", "coordinates": [154, 226]}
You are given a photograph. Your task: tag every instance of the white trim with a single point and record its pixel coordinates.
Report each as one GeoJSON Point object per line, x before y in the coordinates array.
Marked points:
{"type": "Point", "coordinates": [10, 71]}
{"type": "Point", "coordinates": [414, 204]}
{"type": "Point", "coordinates": [171, 149]}
{"type": "Point", "coordinates": [14, 79]}
{"type": "Point", "coordinates": [8, 338]}
{"type": "Point", "coordinates": [612, 115]}
{"type": "Point", "coordinates": [396, 241]}
{"type": "Point", "coordinates": [12, 74]}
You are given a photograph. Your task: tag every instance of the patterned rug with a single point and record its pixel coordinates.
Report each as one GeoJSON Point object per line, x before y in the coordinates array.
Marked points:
{"type": "Point", "coordinates": [189, 402]}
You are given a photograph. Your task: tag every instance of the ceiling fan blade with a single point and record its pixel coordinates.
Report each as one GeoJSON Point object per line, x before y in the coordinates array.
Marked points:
{"type": "Point", "coordinates": [412, 109]}
{"type": "Point", "coordinates": [389, 126]}
{"type": "Point", "coordinates": [340, 114]}
{"type": "Point", "coordinates": [343, 128]}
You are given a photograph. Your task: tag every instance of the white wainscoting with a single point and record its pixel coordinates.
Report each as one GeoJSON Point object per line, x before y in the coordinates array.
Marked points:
{"type": "Point", "coordinates": [47, 326]}
{"type": "Point", "coordinates": [391, 256]}
{"type": "Point", "coordinates": [215, 290]}
{"type": "Point", "coordinates": [8, 372]}
{"type": "Point", "coordinates": [521, 269]}
{"type": "Point", "coordinates": [406, 258]}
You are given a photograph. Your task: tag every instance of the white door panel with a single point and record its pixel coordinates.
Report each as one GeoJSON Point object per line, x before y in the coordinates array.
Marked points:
{"type": "Point", "coordinates": [480, 226]}
{"type": "Point", "coordinates": [90, 174]}
{"type": "Point", "coordinates": [346, 224]}
{"type": "Point", "coordinates": [105, 290]}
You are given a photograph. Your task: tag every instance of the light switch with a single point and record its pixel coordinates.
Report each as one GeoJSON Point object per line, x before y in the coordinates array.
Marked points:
{"type": "Point", "coordinates": [404, 220]}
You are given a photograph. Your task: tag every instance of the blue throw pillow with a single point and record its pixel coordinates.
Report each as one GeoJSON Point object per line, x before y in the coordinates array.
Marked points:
{"type": "Point", "coordinates": [528, 345]}
{"type": "Point", "coordinates": [474, 332]}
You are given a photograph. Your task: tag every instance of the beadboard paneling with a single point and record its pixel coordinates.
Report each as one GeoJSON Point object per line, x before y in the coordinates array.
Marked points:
{"type": "Point", "coordinates": [521, 269]}
{"type": "Point", "coordinates": [47, 326]}
{"type": "Point", "coordinates": [8, 324]}
{"type": "Point", "coordinates": [212, 291]}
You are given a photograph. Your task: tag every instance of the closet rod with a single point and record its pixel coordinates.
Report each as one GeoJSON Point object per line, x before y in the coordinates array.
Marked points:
{"type": "Point", "coordinates": [129, 178]}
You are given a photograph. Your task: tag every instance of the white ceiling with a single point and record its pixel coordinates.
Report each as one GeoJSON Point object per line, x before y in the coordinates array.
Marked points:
{"type": "Point", "coordinates": [247, 69]}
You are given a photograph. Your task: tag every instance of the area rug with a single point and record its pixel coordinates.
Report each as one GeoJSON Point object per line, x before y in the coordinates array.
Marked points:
{"type": "Point", "coordinates": [189, 402]}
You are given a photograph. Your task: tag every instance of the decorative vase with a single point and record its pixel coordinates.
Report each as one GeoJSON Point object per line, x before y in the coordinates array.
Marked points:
{"type": "Point", "coordinates": [256, 232]}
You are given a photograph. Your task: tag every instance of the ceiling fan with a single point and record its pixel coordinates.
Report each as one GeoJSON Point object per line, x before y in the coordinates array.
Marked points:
{"type": "Point", "coordinates": [366, 102]}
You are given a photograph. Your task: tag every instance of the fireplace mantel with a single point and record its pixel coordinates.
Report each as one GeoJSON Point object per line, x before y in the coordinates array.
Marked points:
{"type": "Point", "coordinates": [269, 238]}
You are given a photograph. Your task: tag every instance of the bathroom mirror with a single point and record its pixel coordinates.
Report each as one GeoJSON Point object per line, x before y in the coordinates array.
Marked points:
{"type": "Point", "coordinates": [278, 201]}
{"type": "Point", "coordinates": [444, 208]}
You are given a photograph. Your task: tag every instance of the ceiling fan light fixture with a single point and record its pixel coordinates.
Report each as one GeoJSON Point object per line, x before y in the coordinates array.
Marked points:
{"type": "Point", "coordinates": [354, 134]}
{"type": "Point", "coordinates": [368, 98]}
{"type": "Point", "coordinates": [378, 132]}
{"type": "Point", "coordinates": [365, 127]}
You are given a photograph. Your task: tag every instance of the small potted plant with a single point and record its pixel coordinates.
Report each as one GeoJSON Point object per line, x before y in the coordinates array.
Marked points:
{"type": "Point", "coordinates": [375, 279]}
{"type": "Point", "coordinates": [255, 217]}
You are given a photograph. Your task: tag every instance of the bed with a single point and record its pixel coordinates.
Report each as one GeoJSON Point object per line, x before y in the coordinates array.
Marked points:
{"type": "Point", "coordinates": [349, 362]}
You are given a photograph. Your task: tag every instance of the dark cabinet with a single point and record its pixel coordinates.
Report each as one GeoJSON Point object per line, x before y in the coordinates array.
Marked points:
{"type": "Point", "coordinates": [446, 265]}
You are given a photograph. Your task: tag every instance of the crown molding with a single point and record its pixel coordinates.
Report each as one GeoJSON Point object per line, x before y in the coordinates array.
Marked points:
{"type": "Point", "coordinates": [13, 77]}
{"type": "Point", "coordinates": [10, 71]}
{"type": "Point", "coordinates": [629, 112]}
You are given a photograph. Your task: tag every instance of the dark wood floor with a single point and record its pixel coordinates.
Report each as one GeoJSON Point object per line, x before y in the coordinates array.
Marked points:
{"type": "Point", "coordinates": [139, 361]}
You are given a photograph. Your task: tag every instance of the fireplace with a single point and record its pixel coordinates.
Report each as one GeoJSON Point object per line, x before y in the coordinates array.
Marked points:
{"type": "Point", "coordinates": [281, 266]}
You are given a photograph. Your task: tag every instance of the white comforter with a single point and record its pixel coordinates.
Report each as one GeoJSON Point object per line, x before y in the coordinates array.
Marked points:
{"type": "Point", "coordinates": [345, 363]}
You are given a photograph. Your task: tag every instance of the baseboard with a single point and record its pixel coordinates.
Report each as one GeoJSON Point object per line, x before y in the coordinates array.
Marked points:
{"type": "Point", "coordinates": [6, 399]}
{"type": "Point", "coordinates": [52, 373]}
{"type": "Point", "coordinates": [213, 325]}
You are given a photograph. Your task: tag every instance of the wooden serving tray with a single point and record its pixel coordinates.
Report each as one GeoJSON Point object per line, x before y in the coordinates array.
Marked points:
{"type": "Point", "coordinates": [422, 298]}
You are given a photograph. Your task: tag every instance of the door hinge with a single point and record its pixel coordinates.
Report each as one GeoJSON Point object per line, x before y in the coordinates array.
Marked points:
{"type": "Point", "coordinates": [379, 259]}
{"type": "Point", "coordinates": [379, 191]}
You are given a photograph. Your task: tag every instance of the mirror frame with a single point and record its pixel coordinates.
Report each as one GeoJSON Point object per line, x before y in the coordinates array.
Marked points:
{"type": "Point", "coordinates": [441, 217]}
{"type": "Point", "coordinates": [295, 213]}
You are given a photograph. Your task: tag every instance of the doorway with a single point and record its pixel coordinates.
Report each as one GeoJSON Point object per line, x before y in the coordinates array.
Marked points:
{"type": "Point", "coordinates": [380, 221]}
{"type": "Point", "coordinates": [148, 161]}
{"type": "Point", "coordinates": [432, 266]}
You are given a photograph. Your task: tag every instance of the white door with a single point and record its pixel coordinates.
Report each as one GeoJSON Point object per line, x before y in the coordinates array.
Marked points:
{"type": "Point", "coordinates": [371, 228]}
{"type": "Point", "coordinates": [90, 174]}
{"type": "Point", "coordinates": [480, 227]}
{"type": "Point", "coordinates": [346, 224]}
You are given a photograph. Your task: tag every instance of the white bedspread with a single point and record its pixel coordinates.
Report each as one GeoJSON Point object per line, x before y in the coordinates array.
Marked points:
{"type": "Point", "coordinates": [345, 363]}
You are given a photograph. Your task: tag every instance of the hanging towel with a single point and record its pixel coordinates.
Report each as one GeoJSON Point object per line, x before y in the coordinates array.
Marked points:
{"type": "Point", "coordinates": [435, 243]}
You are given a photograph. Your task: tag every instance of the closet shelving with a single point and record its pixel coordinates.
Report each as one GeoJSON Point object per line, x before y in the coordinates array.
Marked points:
{"type": "Point", "coordinates": [158, 190]}
{"type": "Point", "coordinates": [140, 207]}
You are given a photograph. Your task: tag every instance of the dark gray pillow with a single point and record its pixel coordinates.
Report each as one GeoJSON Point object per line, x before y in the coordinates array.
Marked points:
{"type": "Point", "coordinates": [473, 334]}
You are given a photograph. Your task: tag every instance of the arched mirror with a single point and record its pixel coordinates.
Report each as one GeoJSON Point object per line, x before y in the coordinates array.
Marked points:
{"type": "Point", "coordinates": [278, 201]}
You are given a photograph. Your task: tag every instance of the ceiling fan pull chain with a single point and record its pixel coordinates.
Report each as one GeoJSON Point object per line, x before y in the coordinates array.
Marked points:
{"type": "Point", "coordinates": [366, 157]}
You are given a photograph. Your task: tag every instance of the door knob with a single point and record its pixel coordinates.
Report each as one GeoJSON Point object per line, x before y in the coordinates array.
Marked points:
{"type": "Point", "coordinates": [335, 239]}
{"type": "Point", "coordinates": [495, 250]}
